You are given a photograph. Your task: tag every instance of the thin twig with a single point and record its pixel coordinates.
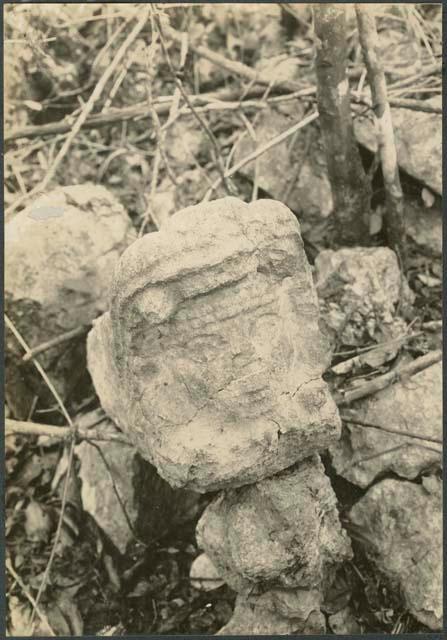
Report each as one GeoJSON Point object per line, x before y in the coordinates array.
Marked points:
{"type": "Point", "coordinates": [201, 121]}
{"type": "Point", "coordinates": [225, 98]}
{"type": "Point", "coordinates": [57, 536]}
{"type": "Point", "coordinates": [39, 368]}
{"type": "Point", "coordinates": [426, 71]}
{"type": "Point", "coordinates": [414, 105]}
{"type": "Point", "coordinates": [117, 493]}
{"type": "Point", "coordinates": [72, 430]}
{"type": "Point", "coordinates": [379, 454]}
{"type": "Point", "coordinates": [219, 101]}
{"type": "Point", "coordinates": [87, 109]}
{"type": "Point", "coordinates": [364, 353]}
{"type": "Point", "coordinates": [391, 377]}
{"type": "Point", "coordinates": [26, 593]}
{"type": "Point", "coordinates": [55, 342]}
{"type": "Point", "coordinates": [151, 70]}
{"type": "Point", "coordinates": [258, 152]}
{"type": "Point", "coordinates": [370, 425]}
{"type": "Point", "coordinates": [19, 427]}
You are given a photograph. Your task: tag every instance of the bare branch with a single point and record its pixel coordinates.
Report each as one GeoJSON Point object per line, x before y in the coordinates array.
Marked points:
{"type": "Point", "coordinates": [42, 616]}
{"type": "Point", "coordinates": [19, 427]}
{"type": "Point", "coordinates": [265, 147]}
{"type": "Point", "coordinates": [383, 381]}
{"type": "Point", "coordinates": [54, 342]}
{"type": "Point", "coordinates": [395, 223]}
{"type": "Point", "coordinates": [369, 425]}
{"type": "Point", "coordinates": [87, 109]}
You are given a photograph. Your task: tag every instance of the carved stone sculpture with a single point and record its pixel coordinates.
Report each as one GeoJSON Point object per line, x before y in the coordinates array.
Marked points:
{"type": "Point", "coordinates": [211, 356]}
{"type": "Point", "coordinates": [210, 359]}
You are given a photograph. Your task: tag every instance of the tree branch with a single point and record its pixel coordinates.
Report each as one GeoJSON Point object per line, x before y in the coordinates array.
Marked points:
{"type": "Point", "coordinates": [394, 216]}
{"type": "Point", "coordinates": [18, 427]}
{"type": "Point", "coordinates": [383, 381]}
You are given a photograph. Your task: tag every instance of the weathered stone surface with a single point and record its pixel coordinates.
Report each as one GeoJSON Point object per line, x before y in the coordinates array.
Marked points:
{"type": "Point", "coordinates": [418, 137]}
{"type": "Point", "coordinates": [277, 612]}
{"type": "Point", "coordinates": [211, 357]}
{"type": "Point", "coordinates": [359, 290]}
{"type": "Point", "coordinates": [424, 226]}
{"type": "Point", "coordinates": [204, 575]}
{"type": "Point", "coordinates": [403, 521]}
{"type": "Point", "coordinates": [60, 255]}
{"type": "Point", "coordinates": [151, 505]}
{"type": "Point", "coordinates": [281, 532]}
{"type": "Point", "coordinates": [295, 173]}
{"type": "Point", "coordinates": [414, 405]}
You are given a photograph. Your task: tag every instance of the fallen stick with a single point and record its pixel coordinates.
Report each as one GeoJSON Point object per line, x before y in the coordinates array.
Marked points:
{"type": "Point", "coordinates": [379, 454]}
{"type": "Point", "coordinates": [162, 105]}
{"type": "Point", "coordinates": [369, 425]}
{"type": "Point", "coordinates": [360, 359]}
{"type": "Point", "coordinates": [54, 342]}
{"type": "Point", "coordinates": [18, 427]}
{"type": "Point", "coordinates": [273, 142]}
{"type": "Point", "coordinates": [381, 382]}
{"type": "Point", "coordinates": [20, 339]}
{"type": "Point", "coordinates": [42, 616]}
{"type": "Point", "coordinates": [414, 105]}
{"type": "Point", "coordinates": [85, 112]}
{"type": "Point", "coordinates": [225, 99]}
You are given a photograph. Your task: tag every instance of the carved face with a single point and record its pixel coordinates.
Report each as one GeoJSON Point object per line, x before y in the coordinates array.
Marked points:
{"type": "Point", "coordinates": [215, 332]}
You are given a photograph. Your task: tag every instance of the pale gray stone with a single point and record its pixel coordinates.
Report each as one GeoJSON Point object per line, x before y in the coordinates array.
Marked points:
{"type": "Point", "coordinates": [424, 226]}
{"type": "Point", "coordinates": [359, 291]}
{"type": "Point", "coordinates": [60, 253]}
{"type": "Point", "coordinates": [211, 356]}
{"type": "Point", "coordinates": [403, 522]}
{"type": "Point", "coordinates": [281, 532]}
{"type": "Point", "coordinates": [277, 612]}
{"type": "Point", "coordinates": [295, 171]}
{"type": "Point", "coordinates": [413, 405]}
{"type": "Point", "coordinates": [418, 138]}
{"type": "Point", "coordinates": [124, 494]}
{"type": "Point", "coordinates": [204, 575]}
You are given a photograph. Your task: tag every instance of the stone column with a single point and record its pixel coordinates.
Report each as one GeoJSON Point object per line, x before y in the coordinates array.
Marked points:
{"type": "Point", "coordinates": [210, 359]}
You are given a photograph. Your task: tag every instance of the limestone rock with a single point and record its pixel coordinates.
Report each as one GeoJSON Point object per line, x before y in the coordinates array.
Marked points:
{"type": "Point", "coordinates": [277, 613]}
{"type": "Point", "coordinates": [294, 173]}
{"type": "Point", "coordinates": [211, 356]}
{"type": "Point", "coordinates": [204, 575]}
{"type": "Point", "coordinates": [151, 505]}
{"type": "Point", "coordinates": [424, 226]}
{"type": "Point", "coordinates": [359, 290]}
{"type": "Point", "coordinates": [403, 520]}
{"type": "Point", "coordinates": [418, 137]}
{"type": "Point", "coordinates": [60, 255]}
{"type": "Point", "coordinates": [281, 532]}
{"type": "Point", "coordinates": [413, 405]}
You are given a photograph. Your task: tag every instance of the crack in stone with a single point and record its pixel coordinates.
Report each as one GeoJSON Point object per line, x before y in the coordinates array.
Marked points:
{"type": "Point", "coordinates": [278, 431]}
{"type": "Point", "coordinates": [300, 386]}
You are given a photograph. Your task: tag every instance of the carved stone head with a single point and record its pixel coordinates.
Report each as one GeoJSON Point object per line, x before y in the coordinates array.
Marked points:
{"type": "Point", "coordinates": [211, 357]}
